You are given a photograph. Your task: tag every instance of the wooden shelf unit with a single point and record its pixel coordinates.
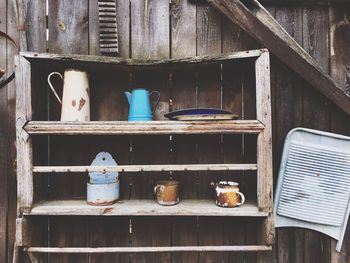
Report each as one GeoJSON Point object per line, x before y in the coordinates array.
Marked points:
{"type": "Point", "coordinates": [27, 126]}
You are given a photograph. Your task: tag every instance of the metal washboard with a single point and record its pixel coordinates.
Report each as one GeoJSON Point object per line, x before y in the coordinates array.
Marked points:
{"type": "Point", "coordinates": [313, 188]}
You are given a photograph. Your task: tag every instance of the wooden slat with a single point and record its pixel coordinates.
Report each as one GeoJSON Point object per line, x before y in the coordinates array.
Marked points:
{"type": "Point", "coordinates": [264, 154]}
{"type": "Point", "coordinates": [287, 94]}
{"type": "Point", "coordinates": [262, 26]}
{"type": "Point", "coordinates": [233, 39]}
{"type": "Point", "coordinates": [340, 70]}
{"type": "Point", "coordinates": [264, 151]}
{"type": "Point", "coordinates": [4, 158]}
{"type": "Point", "coordinates": [140, 61]}
{"type": "Point", "coordinates": [24, 142]}
{"type": "Point", "coordinates": [68, 24]}
{"type": "Point", "coordinates": [316, 109]}
{"type": "Point", "coordinates": [145, 249]}
{"type": "Point", "coordinates": [145, 168]}
{"type": "Point", "coordinates": [149, 39]}
{"type": "Point", "coordinates": [209, 95]}
{"type": "Point", "coordinates": [143, 207]}
{"type": "Point", "coordinates": [152, 127]}
{"type": "Point", "coordinates": [183, 95]}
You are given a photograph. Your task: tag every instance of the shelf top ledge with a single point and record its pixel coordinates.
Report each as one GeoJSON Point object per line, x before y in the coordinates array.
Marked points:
{"type": "Point", "coordinates": [134, 62]}
{"type": "Point", "coordinates": [151, 127]}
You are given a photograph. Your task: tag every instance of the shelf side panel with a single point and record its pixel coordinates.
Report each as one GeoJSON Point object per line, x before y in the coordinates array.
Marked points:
{"type": "Point", "coordinates": [24, 142]}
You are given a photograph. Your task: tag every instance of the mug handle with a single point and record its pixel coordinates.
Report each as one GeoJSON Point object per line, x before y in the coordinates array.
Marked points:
{"type": "Point", "coordinates": [242, 198]}
{"type": "Point", "coordinates": [156, 189]}
{"type": "Point", "coordinates": [153, 92]}
{"type": "Point", "coordinates": [51, 87]}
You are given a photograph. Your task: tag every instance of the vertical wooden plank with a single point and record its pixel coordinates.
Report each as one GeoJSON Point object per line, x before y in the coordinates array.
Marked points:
{"type": "Point", "coordinates": [3, 140]}
{"type": "Point", "coordinates": [234, 39]}
{"type": "Point", "coordinates": [12, 30]}
{"type": "Point", "coordinates": [183, 95]}
{"type": "Point", "coordinates": [264, 149]}
{"type": "Point", "coordinates": [209, 147]}
{"type": "Point", "coordinates": [316, 109]}
{"type": "Point", "coordinates": [150, 31]}
{"type": "Point", "coordinates": [287, 95]}
{"type": "Point", "coordinates": [24, 142]}
{"type": "Point", "coordinates": [110, 104]}
{"type": "Point", "coordinates": [68, 33]}
{"type": "Point", "coordinates": [68, 232]}
{"type": "Point", "coordinates": [340, 71]}
{"type": "Point", "coordinates": [36, 26]}
{"type": "Point", "coordinates": [36, 41]}
{"type": "Point", "coordinates": [123, 22]}
{"type": "Point", "coordinates": [68, 27]}
{"type": "Point", "coordinates": [108, 232]}
{"type": "Point", "coordinates": [94, 36]}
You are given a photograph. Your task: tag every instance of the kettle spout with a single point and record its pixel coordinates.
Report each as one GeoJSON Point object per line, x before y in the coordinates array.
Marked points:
{"type": "Point", "coordinates": [128, 96]}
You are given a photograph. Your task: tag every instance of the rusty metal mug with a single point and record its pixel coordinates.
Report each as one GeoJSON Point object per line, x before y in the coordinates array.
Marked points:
{"type": "Point", "coordinates": [167, 192]}
{"type": "Point", "coordinates": [228, 194]}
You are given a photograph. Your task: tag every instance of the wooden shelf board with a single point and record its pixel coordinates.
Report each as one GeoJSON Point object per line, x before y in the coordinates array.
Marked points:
{"type": "Point", "coordinates": [144, 208]}
{"type": "Point", "coordinates": [149, 127]}
{"type": "Point", "coordinates": [138, 63]}
{"type": "Point", "coordinates": [243, 248]}
{"type": "Point", "coordinates": [146, 168]}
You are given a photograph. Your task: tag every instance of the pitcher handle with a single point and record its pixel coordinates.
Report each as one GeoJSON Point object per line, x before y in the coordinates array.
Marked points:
{"type": "Point", "coordinates": [51, 87]}
{"type": "Point", "coordinates": [155, 107]}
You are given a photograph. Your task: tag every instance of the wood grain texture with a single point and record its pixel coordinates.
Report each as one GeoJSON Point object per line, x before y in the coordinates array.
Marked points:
{"type": "Point", "coordinates": [339, 68]}
{"type": "Point", "coordinates": [4, 160]}
{"type": "Point", "coordinates": [12, 30]}
{"type": "Point", "coordinates": [264, 28]}
{"type": "Point", "coordinates": [287, 96]}
{"type": "Point", "coordinates": [68, 23]}
{"type": "Point", "coordinates": [316, 110]}
{"type": "Point", "coordinates": [183, 95]}
{"type": "Point", "coordinates": [36, 26]}
{"type": "Point", "coordinates": [266, 231]}
{"type": "Point", "coordinates": [145, 249]}
{"type": "Point", "coordinates": [140, 62]}
{"type": "Point", "coordinates": [93, 27]}
{"type": "Point", "coordinates": [146, 168]}
{"type": "Point", "coordinates": [209, 95]}
{"type": "Point", "coordinates": [108, 232]}
{"type": "Point", "coordinates": [24, 143]}
{"type": "Point", "coordinates": [72, 232]}
{"type": "Point", "coordinates": [123, 22]}
{"type": "Point", "coordinates": [149, 29]}
{"type": "Point", "coordinates": [144, 207]}
{"type": "Point", "coordinates": [153, 127]}
{"type": "Point", "coordinates": [68, 26]}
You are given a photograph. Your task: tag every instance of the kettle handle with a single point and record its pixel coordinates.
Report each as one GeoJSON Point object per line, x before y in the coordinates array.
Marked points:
{"type": "Point", "coordinates": [153, 92]}
{"type": "Point", "coordinates": [51, 87]}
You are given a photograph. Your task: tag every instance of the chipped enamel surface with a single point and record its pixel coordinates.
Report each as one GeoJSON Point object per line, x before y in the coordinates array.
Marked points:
{"type": "Point", "coordinates": [75, 100]}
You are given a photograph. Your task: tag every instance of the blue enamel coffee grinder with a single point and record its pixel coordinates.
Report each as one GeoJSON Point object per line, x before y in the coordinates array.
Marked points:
{"type": "Point", "coordinates": [103, 187]}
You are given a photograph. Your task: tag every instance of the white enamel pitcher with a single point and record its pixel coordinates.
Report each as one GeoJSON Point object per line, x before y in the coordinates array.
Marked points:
{"type": "Point", "coordinates": [75, 99]}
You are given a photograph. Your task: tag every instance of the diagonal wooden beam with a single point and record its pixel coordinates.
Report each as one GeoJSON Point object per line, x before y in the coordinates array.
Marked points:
{"type": "Point", "coordinates": [264, 28]}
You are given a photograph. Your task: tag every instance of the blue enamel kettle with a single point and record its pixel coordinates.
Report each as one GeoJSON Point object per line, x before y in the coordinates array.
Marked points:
{"type": "Point", "coordinates": [140, 104]}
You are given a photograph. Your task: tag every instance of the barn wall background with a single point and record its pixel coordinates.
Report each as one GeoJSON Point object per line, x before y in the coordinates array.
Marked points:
{"type": "Point", "coordinates": [183, 28]}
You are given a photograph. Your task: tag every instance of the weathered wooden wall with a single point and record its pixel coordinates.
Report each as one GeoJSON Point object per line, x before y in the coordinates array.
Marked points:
{"type": "Point", "coordinates": [155, 29]}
